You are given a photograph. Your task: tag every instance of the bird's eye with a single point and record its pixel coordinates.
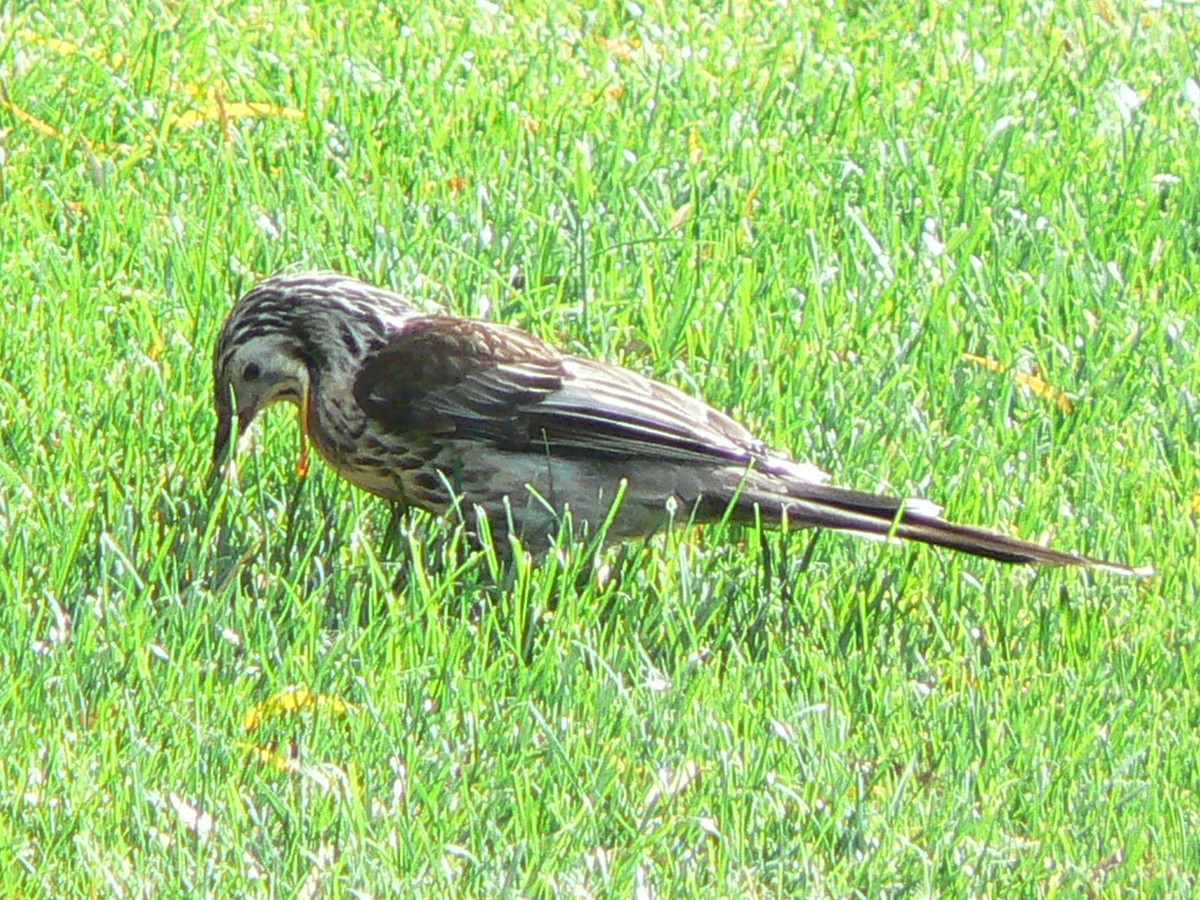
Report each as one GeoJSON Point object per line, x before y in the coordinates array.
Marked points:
{"type": "Point", "coordinates": [251, 372]}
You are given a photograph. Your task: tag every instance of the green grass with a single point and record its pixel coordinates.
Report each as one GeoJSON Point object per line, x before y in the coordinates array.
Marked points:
{"type": "Point", "coordinates": [874, 191]}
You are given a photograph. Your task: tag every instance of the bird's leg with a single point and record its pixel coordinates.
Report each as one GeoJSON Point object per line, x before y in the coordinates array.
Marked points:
{"type": "Point", "coordinates": [393, 534]}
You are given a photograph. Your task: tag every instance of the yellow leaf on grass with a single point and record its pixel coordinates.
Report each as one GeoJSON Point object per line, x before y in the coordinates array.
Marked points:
{"type": "Point", "coordinates": [69, 48]}
{"type": "Point", "coordinates": [195, 89]}
{"type": "Point", "coordinates": [223, 112]}
{"type": "Point", "coordinates": [289, 702]}
{"type": "Point", "coordinates": [262, 111]}
{"type": "Point", "coordinates": [62, 48]}
{"type": "Point", "coordinates": [622, 48]}
{"type": "Point", "coordinates": [30, 119]}
{"type": "Point", "coordinates": [1038, 385]}
{"type": "Point", "coordinates": [269, 757]}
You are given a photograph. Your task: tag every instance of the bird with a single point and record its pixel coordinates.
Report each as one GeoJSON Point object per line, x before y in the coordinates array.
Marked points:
{"type": "Point", "coordinates": [460, 415]}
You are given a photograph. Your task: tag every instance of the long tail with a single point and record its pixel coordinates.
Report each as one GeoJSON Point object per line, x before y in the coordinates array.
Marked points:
{"type": "Point", "coordinates": [809, 505]}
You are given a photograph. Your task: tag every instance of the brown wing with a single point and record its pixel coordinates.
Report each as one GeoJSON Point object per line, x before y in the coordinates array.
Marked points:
{"type": "Point", "coordinates": [466, 378]}
{"type": "Point", "coordinates": [447, 377]}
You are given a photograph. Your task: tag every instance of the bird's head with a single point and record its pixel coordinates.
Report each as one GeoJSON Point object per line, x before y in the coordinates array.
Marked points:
{"type": "Point", "coordinates": [254, 366]}
{"type": "Point", "coordinates": [288, 332]}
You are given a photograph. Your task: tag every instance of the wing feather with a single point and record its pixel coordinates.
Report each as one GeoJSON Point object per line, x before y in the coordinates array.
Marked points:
{"type": "Point", "coordinates": [446, 376]}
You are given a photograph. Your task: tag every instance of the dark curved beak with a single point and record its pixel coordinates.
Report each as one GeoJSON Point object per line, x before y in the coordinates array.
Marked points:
{"type": "Point", "coordinates": [226, 440]}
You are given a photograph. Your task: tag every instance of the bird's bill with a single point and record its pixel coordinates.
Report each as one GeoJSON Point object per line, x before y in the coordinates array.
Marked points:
{"type": "Point", "coordinates": [224, 434]}
{"type": "Point", "coordinates": [226, 442]}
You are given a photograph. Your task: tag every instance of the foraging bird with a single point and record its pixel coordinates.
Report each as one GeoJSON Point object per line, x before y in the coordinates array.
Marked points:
{"type": "Point", "coordinates": [433, 411]}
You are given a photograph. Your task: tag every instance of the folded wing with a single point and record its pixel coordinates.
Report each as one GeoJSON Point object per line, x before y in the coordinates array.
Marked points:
{"type": "Point", "coordinates": [464, 378]}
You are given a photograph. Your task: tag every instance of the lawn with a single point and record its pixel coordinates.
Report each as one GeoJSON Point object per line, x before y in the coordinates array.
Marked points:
{"type": "Point", "coordinates": [941, 249]}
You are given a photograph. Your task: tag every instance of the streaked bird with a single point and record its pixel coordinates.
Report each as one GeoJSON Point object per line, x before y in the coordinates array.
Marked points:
{"type": "Point", "coordinates": [445, 413]}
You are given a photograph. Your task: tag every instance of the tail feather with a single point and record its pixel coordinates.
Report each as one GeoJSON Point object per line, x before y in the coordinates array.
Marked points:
{"type": "Point", "coordinates": [857, 512]}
